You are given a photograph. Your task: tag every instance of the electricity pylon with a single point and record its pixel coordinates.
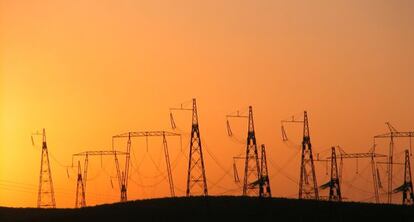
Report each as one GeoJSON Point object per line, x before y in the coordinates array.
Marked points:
{"type": "Point", "coordinates": [263, 183]}
{"type": "Point", "coordinates": [251, 166]}
{"type": "Point", "coordinates": [80, 190]}
{"type": "Point", "coordinates": [46, 194]}
{"type": "Point", "coordinates": [408, 196]}
{"type": "Point", "coordinates": [146, 134]}
{"type": "Point", "coordinates": [333, 184]}
{"type": "Point", "coordinates": [264, 189]}
{"type": "Point", "coordinates": [196, 174]}
{"type": "Point", "coordinates": [308, 188]}
{"type": "Point", "coordinates": [372, 155]}
{"type": "Point", "coordinates": [392, 135]}
{"type": "Point", "coordinates": [252, 179]}
{"type": "Point", "coordinates": [101, 153]}
{"type": "Point", "coordinates": [123, 175]}
{"type": "Point", "coordinates": [407, 187]}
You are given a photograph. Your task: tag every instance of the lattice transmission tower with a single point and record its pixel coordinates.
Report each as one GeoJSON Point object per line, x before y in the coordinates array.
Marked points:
{"type": "Point", "coordinates": [251, 166]}
{"type": "Point", "coordinates": [333, 184]}
{"type": "Point", "coordinates": [80, 200]}
{"type": "Point", "coordinates": [145, 134]}
{"type": "Point", "coordinates": [252, 181]}
{"type": "Point", "coordinates": [46, 194]}
{"type": "Point", "coordinates": [308, 188]}
{"type": "Point", "coordinates": [407, 187]}
{"type": "Point", "coordinates": [101, 153]}
{"type": "Point", "coordinates": [264, 188]}
{"type": "Point", "coordinates": [196, 174]}
{"type": "Point", "coordinates": [393, 135]}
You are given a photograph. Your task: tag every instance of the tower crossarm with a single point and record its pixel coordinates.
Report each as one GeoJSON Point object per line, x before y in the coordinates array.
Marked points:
{"type": "Point", "coordinates": [231, 116]}
{"type": "Point", "coordinates": [100, 153]}
{"type": "Point", "coordinates": [359, 155]}
{"type": "Point", "coordinates": [146, 134]}
{"type": "Point", "coordinates": [288, 121]}
{"type": "Point", "coordinates": [395, 134]}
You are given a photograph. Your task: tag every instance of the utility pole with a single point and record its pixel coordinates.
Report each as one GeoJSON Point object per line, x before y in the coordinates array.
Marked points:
{"type": "Point", "coordinates": [392, 135]}
{"type": "Point", "coordinates": [264, 175]}
{"type": "Point", "coordinates": [407, 187]}
{"type": "Point", "coordinates": [80, 190]}
{"type": "Point", "coordinates": [196, 174]}
{"type": "Point", "coordinates": [251, 167]}
{"type": "Point", "coordinates": [46, 194]}
{"type": "Point", "coordinates": [308, 188]}
{"type": "Point", "coordinates": [87, 154]}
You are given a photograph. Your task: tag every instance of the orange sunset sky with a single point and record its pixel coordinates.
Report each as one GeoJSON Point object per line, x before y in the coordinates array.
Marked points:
{"type": "Point", "coordinates": [86, 70]}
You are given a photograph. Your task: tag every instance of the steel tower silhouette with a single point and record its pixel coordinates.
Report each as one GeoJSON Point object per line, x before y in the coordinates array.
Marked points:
{"type": "Point", "coordinates": [308, 188]}
{"type": "Point", "coordinates": [264, 188]}
{"type": "Point", "coordinates": [46, 194]}
{"type": "Point", "coordinates": [334, 185]}
{"type": "Point", "coordinates": [196, 175]}
{"type": "Point", "coordinates": [80, 189]}
{"type": "Point", "coordinates": [251, 166]}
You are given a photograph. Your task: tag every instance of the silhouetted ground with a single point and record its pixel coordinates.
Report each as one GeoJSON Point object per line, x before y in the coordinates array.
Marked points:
{"type": "Point", "coordinates": [217, 209]}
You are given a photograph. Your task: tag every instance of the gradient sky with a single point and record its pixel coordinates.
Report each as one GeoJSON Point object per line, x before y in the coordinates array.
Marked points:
{"type": "Point", "coordinates": [87, 70]}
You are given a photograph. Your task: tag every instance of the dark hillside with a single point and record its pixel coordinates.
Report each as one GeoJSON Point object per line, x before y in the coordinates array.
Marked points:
{"type": "Point", "coordinates": [216, 209]}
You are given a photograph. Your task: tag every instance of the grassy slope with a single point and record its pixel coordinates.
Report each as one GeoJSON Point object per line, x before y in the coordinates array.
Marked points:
{"type": "Point", "coordinates": [216, 208]}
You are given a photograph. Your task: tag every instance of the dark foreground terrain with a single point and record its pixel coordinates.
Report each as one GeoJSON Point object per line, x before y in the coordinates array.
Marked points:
{"type": "Point", "coordinates": [216, 209]}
